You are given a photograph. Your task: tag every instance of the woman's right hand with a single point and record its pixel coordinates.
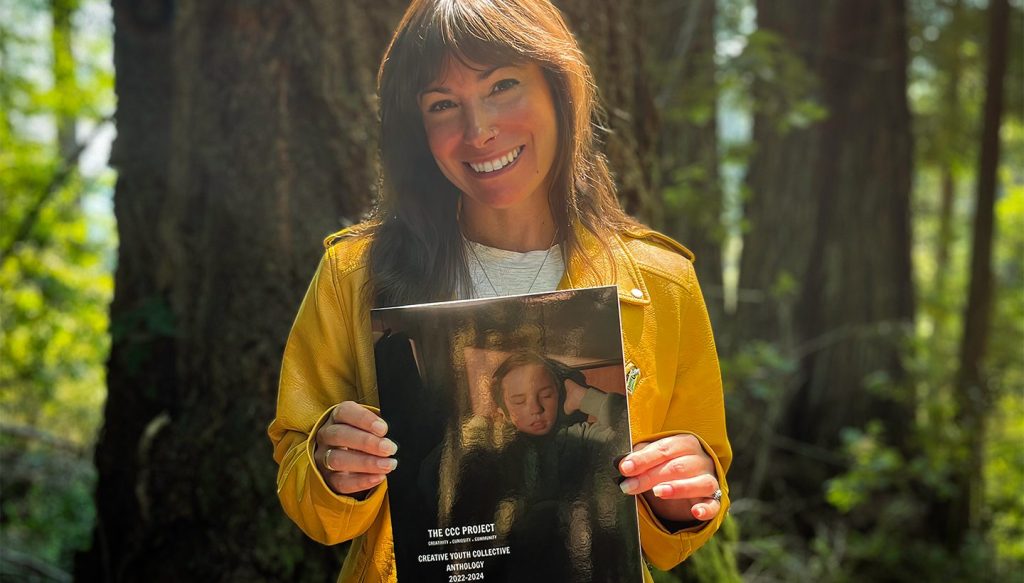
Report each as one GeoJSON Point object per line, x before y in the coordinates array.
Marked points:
{"type": "Point", "coordinates": [351, 451]}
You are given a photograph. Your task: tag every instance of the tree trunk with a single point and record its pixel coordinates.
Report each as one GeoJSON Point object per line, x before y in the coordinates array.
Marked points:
{"type": "Point", "coordinates": [61, 12]}
{"type": "Point", "coordinates": [944, 238]}
{"type": "Point", "coordinates": [782, 207]}
{"type": "Point", "coordinates": [687, 174]}
{"type": "Point", "coordinates": [141, 380]}
{"type": "Point", "coordinates": [608, 32]}
{"type": "Point", "coordinates": [830, 213]}
{"type": "Point", "coordinates": [220, 221]}
{"type": "Point", "coordinates": [859, 298]}
{"type": "Point", "coordinates": [973, 395]}
{"type": "Point", "coordinates": [953, 123]}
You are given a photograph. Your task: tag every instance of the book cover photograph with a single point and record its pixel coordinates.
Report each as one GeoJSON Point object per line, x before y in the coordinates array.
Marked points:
{"type": "Point", "coordinates": [510, 415]}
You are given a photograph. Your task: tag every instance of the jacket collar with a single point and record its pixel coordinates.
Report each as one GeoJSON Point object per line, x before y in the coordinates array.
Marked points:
{"type": "Point", "coordinates": [591, 266]}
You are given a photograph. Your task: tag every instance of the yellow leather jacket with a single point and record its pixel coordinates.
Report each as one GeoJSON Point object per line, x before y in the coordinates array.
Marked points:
{"type": "Point", "coordinates": [668, 344]}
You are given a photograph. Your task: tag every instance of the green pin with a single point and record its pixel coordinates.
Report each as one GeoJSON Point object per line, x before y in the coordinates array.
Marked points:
{"type": "Point", "coordinates": [631, 378]}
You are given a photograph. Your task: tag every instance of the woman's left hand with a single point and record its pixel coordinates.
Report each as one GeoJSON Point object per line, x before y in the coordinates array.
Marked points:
{"type": "Point", "coordinates": [675, 476]}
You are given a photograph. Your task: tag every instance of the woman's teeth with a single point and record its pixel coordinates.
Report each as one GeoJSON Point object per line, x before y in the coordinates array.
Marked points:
{"type": "Point", "coordinates": [492, 165]}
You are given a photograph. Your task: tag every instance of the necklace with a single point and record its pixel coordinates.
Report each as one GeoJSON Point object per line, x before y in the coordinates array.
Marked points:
{"type": "Point", "coordinates": [487, 277]}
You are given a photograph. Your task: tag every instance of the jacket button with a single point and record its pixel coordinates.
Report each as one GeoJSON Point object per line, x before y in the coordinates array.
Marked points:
{"type": "Point", "coordinates": [637, 293]}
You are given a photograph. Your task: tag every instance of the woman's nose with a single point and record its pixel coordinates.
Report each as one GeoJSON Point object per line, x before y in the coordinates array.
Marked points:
{"type": "Point", "coordinates": [479, 128]}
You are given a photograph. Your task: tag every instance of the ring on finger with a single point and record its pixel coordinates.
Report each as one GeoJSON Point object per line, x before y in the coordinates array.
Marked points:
{"type": "Point", "coordinates": [327, 460]}
{"type": "Point", "coordinates": [717, 496]}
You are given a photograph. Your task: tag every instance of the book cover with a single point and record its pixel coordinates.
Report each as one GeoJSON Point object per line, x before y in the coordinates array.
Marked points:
{"type": "Point", "coordinates": [510, 415]}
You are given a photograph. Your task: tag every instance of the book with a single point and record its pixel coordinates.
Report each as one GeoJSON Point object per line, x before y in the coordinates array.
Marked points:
{"type": "Point", "coordinates": [510, 415]}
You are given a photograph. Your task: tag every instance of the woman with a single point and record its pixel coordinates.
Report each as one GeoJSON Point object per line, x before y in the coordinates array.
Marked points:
{"type": "Point", "coordinates": [492, 185]}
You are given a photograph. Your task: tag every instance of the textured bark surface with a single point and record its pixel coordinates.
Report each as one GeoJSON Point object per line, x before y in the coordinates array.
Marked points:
{"type": "Point", "coordinates": [830, 207]}
{"type": "Point", "coordinates": [782, 208]}
{"type": "Point", "coordinates": [141, 377]}
{"type": "Point", "coordinates": [246, 132]}
{"type": "Point", "coordinates": [681, 36]}
{"type": "Point", "coordinates": [609, 33]}
{"type": "Point", "coordinates": [859, 299]}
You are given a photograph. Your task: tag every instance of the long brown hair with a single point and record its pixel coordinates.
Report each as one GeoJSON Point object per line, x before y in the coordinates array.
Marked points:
{"type": "Point", "coordinates": [417, 253]}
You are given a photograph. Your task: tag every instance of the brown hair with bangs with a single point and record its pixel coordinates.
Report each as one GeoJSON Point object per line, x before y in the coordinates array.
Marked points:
{"type": "Point", "coordinates": [417, 254]}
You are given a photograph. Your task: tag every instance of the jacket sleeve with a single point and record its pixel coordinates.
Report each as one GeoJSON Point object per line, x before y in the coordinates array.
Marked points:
{"type": "Point", "coordinates": [319, 370]}
{"type": "Point", "coordinates": [696, 407]}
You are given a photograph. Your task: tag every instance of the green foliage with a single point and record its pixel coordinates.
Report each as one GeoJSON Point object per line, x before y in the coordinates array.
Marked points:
{"type": "Point", "coordinates": [1004, 467]}
{"type": "Point", "coordinates": [887, 498]}
{"type": "Point", "coordinates": [48, 487]}
{"type": "Point", "coordinates": [886, 494]}
{"type": "Point", "coordinates": [776, 82]}
{"type": "Point", "coordinates": [57, 244]}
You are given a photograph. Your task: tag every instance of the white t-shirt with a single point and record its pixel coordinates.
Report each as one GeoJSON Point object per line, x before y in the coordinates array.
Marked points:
{"type": "Point", "coordinates": [497, 272]}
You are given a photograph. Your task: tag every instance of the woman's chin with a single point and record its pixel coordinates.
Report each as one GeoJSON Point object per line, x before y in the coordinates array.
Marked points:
{"type": "Point", "coordinates": [494, 200]}
{"type": "Point", "coordinates": [501, 200]}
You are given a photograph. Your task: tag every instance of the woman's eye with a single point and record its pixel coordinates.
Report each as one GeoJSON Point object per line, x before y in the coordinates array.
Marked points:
{"type": "Point", "coordinates": [504, 85]}
{"type": "Point", "coordinates": [441, 105]}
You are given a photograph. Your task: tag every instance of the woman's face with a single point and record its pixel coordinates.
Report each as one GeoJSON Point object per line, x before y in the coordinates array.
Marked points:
{"type": "Point", "coordinates": [531, 399]}
{"type": "Point", "coordinates": [493, 133]}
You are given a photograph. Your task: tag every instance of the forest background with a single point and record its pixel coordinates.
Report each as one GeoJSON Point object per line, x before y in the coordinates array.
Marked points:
{"type": "Point", "coordinates": [850, 174]}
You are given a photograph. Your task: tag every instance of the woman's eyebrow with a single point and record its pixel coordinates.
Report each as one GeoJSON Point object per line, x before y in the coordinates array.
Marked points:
{"type": "Point", "coordinates": [480, 77]}
{"type": "Point", "coordinates": [488, 72]}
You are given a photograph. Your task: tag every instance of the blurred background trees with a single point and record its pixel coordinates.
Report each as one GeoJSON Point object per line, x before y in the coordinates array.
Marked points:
{"type": "Point", "coordinates": [848, 173]}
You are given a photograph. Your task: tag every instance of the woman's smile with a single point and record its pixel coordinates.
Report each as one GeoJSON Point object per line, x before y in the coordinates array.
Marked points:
{"type": "Point", "coordinates": [495, 166]}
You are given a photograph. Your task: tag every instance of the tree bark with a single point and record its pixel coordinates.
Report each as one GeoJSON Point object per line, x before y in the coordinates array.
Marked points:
{"type": "Point", "coordinates": [782, 207]}
{"type": "Point", "coordinates": [830, 207]}
{"type": "Point", "coordinates": [609, 33]}
{"type": "Point", "coordinates": [859, 298]}
{"type": "Point", "coordinates": [141, 380]}
{"type": "Point", "coordinates": [687, 177]}
{"type": "Point", "coordinates": [246, 133]}
{"type": "Point", "coordinates": [944, 238]}
{"type": "Point", "coordinates": [61, 13]}
{"type": "Point", "coordinates": [953, 123]}
{"type": "Point", "coordinates": [974, 398]}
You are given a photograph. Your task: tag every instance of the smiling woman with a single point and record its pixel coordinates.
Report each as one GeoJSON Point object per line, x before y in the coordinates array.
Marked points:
{"type": "Point", "coordinates": [492, 131]}
{"type": "Point", "coordinates": [492, 183]}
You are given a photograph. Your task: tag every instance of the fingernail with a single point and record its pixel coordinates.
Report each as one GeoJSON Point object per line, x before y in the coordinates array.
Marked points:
{"type": "Point", "coordinates": [379, 428]}
{"type": "Point", "coordinates": [377, 479]}
{"type": "Point", "coordinates": [662, 490]}
{"type": "Point", "coordinates": [698, 513]}
{"type": "Point", "coordinates": [618, 460]}
{"type": "Point", "coordinates": [388, 447]}
{"type": "Point", "coordinates": [627, 486]}
{"type": "Point", "coordinates": [628, 466]}
{"type": "Point", "coordinates": [387, 463]}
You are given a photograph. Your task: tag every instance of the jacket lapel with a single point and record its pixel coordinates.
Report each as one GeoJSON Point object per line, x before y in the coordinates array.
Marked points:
{"type": "Point", "coordinates": [592, 267]}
